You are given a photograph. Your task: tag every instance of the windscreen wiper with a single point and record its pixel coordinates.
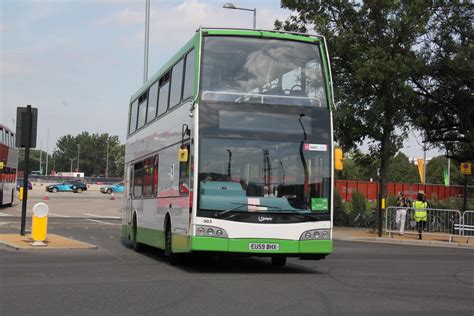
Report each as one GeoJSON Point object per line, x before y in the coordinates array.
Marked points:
{"type": "Point", "coordinates": [219, 214]}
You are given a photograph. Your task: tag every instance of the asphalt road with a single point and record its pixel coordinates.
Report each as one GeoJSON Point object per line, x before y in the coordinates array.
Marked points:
{"type": "Point", "coordinates": [115, 280]}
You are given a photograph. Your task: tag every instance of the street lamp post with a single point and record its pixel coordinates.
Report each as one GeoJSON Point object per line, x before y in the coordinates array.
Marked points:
{"type": "Point", "coordinates": [107, 160]}
{"type": "Point", "coordinates": [72, 160]}
{"type": "Point", "coordinates": [78, 149]}
{"type": "Point", "coordinates": [254, 10]}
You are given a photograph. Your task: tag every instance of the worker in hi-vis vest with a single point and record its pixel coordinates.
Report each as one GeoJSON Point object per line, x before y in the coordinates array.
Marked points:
{"type": "Point", "coordinates": [421, 216]}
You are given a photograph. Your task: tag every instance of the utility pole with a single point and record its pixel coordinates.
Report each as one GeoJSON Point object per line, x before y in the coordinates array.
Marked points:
{"type": "Point", "coordinates": [107, 159]}
{"type": "Point", "coordinates": [41, 159]}
{"type": "Point", "coordinates": [47, 152]}
{"type": "Point", "coordinates": [78, 148]}
{"type": "Point", "coordinates": [147, 36]}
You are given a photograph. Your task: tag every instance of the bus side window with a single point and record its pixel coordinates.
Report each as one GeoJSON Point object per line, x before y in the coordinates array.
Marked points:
{"type": "Point", "coordinates": [176, 84]}
{"type": "Point", "coordinates": [133, 117]}
{"type": "Point", "coordinates": [148, 177]}
{"type": "Point", "coordinates": [164, 94]}
{"type": "Point", "coordinates": [138, 179]}
{"type": "Point", "coordinates": [155, 175]}
{"type": "Point", "coordinates": [184, 171]}
{"type": "Point", "coordinates": [142, 111]}
{"type": "Point", "coordinates": [188, 91]}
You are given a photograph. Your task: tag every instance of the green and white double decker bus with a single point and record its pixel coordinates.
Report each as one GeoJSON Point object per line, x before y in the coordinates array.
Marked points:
{"type": "Point", "coordinates": [230, 148]}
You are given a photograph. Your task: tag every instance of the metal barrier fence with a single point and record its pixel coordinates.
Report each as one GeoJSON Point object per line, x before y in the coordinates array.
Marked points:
{"type": "Point", "coordinates": [467, 226]}
{"type": "Point", "coordinates": [438, 222]}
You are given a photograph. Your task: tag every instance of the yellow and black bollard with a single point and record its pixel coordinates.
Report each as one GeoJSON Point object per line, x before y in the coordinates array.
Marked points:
{"type": "Point", "coordinates": [39, 225]}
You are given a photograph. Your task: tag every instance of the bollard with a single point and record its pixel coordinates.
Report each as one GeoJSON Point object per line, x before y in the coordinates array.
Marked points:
{"type": "Point", "coordinates": [112, 196]}
{"type": "Point", "coordinates": [39, 225]}
{"type": "Point", "coordinates": [46, 197]}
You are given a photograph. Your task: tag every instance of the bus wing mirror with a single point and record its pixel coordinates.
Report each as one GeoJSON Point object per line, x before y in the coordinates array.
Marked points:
{"type": "Point", "coordinates": [183, 155]}
{"type": "Point", "coordinates": [338, 159]}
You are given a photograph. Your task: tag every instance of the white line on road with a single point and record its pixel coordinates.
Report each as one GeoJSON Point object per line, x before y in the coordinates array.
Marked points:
{"type": "Point", "coordinates": [52, 214]}
{"type": "Point", "coordinates": [102, 216]}
{"type": "Point", "coordinates": [101, 222]}
{"type": "Point", "coordinates": [3, 214]}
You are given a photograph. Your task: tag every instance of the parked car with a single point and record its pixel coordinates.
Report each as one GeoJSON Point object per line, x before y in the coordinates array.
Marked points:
{"type": "Point", "coordinates": [75, 186]}
{"type": "Point", "coordinates": [19, 183]}
{"type": "Point", "coordinates": [116, 188]}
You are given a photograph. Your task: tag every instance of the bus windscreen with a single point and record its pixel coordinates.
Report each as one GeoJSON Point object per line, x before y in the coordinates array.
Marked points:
{"type": "Point", "coordinates": [265, 71]}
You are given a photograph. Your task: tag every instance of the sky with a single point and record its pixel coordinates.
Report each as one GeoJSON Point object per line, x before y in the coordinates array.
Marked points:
{"type": "Point", "coordinates": [79, 61]}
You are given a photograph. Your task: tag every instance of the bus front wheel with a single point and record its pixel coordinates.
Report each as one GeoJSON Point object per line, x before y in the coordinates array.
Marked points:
{"type": "Point", "coordinates": [172, 257]}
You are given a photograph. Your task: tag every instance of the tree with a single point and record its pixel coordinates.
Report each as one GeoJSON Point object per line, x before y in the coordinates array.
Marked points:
{"type": "Point", "coordinates": [435, 171]}
{"type": "Point", "coordinates": [402, 170]}
{"type": "Point", "coordinates": [92, 152]}
{"type": "Point", "coordinates": [444, 77]}
{"type": "Point", "coordinates": [34, 160]}
{"type": "Point", "coordinates": [371, 44]}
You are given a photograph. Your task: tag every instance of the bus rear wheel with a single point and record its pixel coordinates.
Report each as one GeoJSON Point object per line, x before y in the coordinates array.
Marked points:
{"type": "Point", "coordinates": [138, 247]}
{"type": "Point", "coordinates": [278, 261]}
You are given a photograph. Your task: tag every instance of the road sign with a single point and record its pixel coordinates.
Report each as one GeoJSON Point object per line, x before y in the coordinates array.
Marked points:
{"type": "Point", "coordinates": [26, 122]}
{"type": "Point", "coordinates": [466, 168]}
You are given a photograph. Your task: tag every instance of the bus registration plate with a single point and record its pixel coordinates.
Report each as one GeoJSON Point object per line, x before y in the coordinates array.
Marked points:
{"type": "Point", "coordinates": [264, 246]}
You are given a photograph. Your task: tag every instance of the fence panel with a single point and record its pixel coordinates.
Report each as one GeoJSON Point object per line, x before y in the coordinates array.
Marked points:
{"type": "Point", "coordinates": [438, 222]}
{"type": "Point", "coordinates": [468, 223]}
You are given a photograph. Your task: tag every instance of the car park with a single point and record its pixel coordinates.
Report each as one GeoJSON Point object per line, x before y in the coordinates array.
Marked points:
{"type": "Point", "coordinates": [67, 186]}
{"type": "Point", "coordinates": [19, 183]}
{"type": "Point", "coordinates": [115, 188]}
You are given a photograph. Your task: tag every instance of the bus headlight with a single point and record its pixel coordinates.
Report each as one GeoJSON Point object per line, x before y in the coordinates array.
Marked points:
{"type": "Point", "coordinates": [315, 234]}
{"type": "Point", "coordinates": [210, 231]}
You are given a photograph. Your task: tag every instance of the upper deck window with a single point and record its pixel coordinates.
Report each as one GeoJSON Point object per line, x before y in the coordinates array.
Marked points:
{"type": "Point", "coordinates": [267, 71]}
{"type": "Point", "coordinates": [188, 90]}
{"type": "Point", "coordinates": [176, 84]}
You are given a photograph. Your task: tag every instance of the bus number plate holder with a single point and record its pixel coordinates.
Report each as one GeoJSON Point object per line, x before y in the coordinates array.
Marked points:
{"type": "Point", "coordinates": [264, 247]}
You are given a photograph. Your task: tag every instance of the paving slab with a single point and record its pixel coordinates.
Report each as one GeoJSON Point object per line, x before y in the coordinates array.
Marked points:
{"type": "Point", "coordinates": [53, 242]}
{"type": "Point", "coordinates": [368, 235]}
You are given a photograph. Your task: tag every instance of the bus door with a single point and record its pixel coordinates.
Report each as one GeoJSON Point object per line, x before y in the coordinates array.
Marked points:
{"type": "Point", "coordinates": [129, 191]}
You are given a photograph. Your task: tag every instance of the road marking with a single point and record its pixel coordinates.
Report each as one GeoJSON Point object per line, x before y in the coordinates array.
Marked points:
{"type": "Point", "coordinates": [3, 214]}
{"type": "Point", "coordinates": [101, 222]}
{"type": "Point", "coordinates": [102, 216]}
{"type": "Point", "coordinates": [53, 214]}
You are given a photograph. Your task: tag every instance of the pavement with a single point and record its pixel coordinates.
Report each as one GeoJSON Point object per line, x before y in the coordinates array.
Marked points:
{"type": "Point", "coordinates": [409, 238]}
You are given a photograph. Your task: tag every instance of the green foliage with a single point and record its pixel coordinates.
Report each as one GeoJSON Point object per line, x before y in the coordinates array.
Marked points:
{"type": "Point", "coordinates": [92, 149]}
{"type": "Point", "coordinates": [392, 200]}
{"type": "Point", "coordinates": [435, 171]}
{"type": "Point", "coordinates": [358, 202]}
{"type": "Point", "coordinates": [402, 170]}
{"type": "Point", "coordinates": [371, 44]}
{"type": "Point", "coordinates": [34, 160]}
{"type": "Point", "coordinates": [443, 79]}
{"type": "Point", "coordinates": [337, 200]}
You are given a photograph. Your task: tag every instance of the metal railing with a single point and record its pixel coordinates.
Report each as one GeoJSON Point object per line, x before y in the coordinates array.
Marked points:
{"type": "Point", "coordinates": [467, 225]}
{"type": "Point", "coordinates": [444, 222]}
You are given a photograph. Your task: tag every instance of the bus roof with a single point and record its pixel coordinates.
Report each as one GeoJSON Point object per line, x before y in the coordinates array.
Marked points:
{"type": "Point", "coordinates": [194, 41]}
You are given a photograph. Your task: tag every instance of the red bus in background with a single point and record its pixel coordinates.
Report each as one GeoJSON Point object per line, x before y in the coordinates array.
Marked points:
{"type": "Point", "coordinates": [371, 189]}
{"type": "Point", "coordinates": [8, 166]}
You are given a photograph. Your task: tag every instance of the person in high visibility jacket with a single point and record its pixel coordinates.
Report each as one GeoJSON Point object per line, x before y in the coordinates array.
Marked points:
{"type": "Point", "coordinates": [421, 215]}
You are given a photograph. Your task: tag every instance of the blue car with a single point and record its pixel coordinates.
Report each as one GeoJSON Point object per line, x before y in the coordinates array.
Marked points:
{"type": "Point", "coordinates": [19, 183]}
{"type": "Point", "coordinates": [116, 188]}
{"type": "Point", "coordinates": [67, 186]}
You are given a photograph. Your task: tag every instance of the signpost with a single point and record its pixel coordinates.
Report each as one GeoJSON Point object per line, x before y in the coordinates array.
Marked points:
{"type": "Point", "coordinates": [26, 118]}
{"type": "Point", "coordinates": [466, 170]}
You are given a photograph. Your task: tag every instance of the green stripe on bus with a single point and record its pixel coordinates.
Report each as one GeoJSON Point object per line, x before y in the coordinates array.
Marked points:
{"type": "Point", "coordinates": [242, 245]}
{"type": "Point", "coordinates": [266, 34]}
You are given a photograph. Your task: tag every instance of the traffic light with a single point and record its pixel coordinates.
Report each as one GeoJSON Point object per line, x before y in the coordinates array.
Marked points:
{"type": "Point", "coordinates": [338, 159]}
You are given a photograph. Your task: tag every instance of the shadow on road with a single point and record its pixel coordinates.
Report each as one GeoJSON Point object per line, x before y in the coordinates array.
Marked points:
{"type": "Point", "coordinates": [214, 263]}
